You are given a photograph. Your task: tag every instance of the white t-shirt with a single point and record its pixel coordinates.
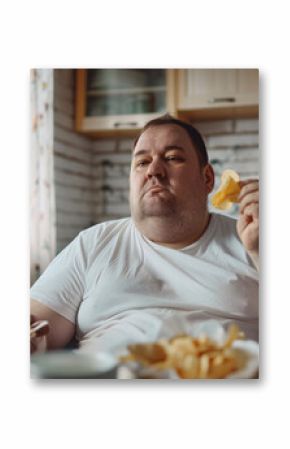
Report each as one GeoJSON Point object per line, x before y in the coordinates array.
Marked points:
{"type": "Point", "coordinates": [119, 287]}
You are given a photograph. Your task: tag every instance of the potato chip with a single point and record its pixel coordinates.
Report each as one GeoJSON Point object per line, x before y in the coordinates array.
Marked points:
{"type": "Point", "coordinates": [149, 353]}
{"type": "Point", "coordinates": [224, 369]}
{"type": "Point", "coordinates": [228, 191]}
{"type": "Point", "coordinates": [234, 333]}
{"type": "Point", "coordinates": [189, 367]}
{"type": "Point", "coordinates": [204, 366]}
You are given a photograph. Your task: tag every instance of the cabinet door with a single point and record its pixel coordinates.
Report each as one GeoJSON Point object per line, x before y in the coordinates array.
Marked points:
{"type": "Point", "coordinates": [247, 91]}
{"type": "Point", "coordinates": [215, 88]}
{"type": "Point", "coordinates": [120, 99]}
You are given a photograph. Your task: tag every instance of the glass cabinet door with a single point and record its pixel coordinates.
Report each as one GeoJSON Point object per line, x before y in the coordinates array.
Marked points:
{"type": "Point", "coordinates": [119, 92]}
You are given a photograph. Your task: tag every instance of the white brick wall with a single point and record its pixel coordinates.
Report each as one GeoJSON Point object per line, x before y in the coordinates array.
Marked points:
{"type": "Point", "coordinates": [77, 201]}
{"type": "Point", "coordinates": [232, 140]}
{"type": "Point", "coordinates": [247, 125]}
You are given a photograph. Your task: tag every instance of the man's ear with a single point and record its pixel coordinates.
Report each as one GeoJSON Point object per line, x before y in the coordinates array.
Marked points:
{"type": "Point", "coordinates": [208, 174]}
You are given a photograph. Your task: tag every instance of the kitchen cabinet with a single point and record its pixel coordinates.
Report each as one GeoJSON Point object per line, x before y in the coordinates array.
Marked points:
{"type": "Point", "coordinates": [217, 93]}
{"type": "Point", "coordinates": [113, 102]}
{"type": "Point", "coordinates": [119, 102]}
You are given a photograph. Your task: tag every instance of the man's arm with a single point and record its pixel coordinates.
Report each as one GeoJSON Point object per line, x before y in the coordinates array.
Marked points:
{"type": "Point", "coordinates": [61, 330]}
{"type": "Point", "coordinates": [248, 221]}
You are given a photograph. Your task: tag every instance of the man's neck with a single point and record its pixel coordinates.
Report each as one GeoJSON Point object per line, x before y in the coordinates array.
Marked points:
{"type": "Point", "coordinates": [172, 234]}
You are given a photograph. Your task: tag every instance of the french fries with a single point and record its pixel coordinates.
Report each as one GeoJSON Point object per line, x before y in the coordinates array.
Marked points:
{"type": "Point", "coordinates": [191, 357]}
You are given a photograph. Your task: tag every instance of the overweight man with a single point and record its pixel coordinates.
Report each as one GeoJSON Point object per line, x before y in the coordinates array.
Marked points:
{"type": "Point", "coordinates": [118, 282]}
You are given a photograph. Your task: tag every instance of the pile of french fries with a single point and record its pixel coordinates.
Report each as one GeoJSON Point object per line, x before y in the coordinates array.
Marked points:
{"type": "Point", "coordinates": [191, 357]}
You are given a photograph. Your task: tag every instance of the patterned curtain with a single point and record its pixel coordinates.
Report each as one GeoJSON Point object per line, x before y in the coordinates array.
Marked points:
{"type": "Point", "coordinates": [42, 194]}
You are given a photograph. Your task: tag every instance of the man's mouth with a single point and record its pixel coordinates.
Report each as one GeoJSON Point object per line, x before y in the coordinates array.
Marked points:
{"type": "Point", "coordinates": [153, 189]}
{"type": "Point", "coordinates": [156, 189]}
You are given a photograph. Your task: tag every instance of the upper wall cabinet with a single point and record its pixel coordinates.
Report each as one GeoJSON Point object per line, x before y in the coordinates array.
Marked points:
{"type": "Point", "coordinates": [120, 101]}
{"type": "Point", "coordinates": [112, 102]}
{"type": "Point", "coordinates": [217, 93]}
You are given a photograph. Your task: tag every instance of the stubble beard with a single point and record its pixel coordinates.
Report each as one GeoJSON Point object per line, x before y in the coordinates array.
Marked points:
{"type": "Point", "coordinates": [159, 208]}
{"type": "Point", "coordinates": [164, 220]}
{"type": "Point", "coordinates": [169, 211]}
{"type": "Point", "coordinates": [167, 220]}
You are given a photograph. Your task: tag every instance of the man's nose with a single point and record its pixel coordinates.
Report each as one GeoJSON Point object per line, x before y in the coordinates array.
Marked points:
{"type": "Point", "coordinates": [156, 168]}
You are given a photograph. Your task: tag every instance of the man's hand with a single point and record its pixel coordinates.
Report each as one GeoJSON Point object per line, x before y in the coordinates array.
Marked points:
{"type": "Point", "coordinates": [248, 221]}
{"type": "Point", "coordinates": [38, 333]}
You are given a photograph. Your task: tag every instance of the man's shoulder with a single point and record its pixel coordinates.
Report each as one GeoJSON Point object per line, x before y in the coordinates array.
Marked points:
{"type": "Point", "coordinates": [227, 237]}
{"type": "Point", "coordinates": [105, 227]}
{"type": "Point", "coordinates": [225, 227]}
{"type": "Point", "coordinates": [225, 220]}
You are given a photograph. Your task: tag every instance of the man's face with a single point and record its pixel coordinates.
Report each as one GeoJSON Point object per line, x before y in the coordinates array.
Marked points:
{"type": "Point", "coordinates": [166, 179]}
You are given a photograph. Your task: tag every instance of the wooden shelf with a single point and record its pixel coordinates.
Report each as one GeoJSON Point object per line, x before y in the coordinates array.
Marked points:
{"type": "Point", "coordinates": [219, 113]}
{"type": "Point", "coordinates": [126, 91]}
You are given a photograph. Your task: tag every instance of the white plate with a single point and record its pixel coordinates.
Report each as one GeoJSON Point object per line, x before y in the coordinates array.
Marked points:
{"type": "Point", "coordinates": [73, 365]}
{"type": "Point", "coordinates": [250, 349]}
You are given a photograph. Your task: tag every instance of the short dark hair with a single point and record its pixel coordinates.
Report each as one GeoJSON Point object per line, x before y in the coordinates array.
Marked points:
{"type": "Point", "coordinates": [194, 135]}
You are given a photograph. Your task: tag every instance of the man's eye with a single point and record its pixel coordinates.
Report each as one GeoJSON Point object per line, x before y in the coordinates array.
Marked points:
{"type": "Point", "coordinates": [141, 163]}
{"type": "Point", "coordinates": [174, 158]}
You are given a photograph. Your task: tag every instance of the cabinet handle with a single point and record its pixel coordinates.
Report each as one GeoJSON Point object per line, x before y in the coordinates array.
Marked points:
{"type": "Point", "coordinates": [117, 124]}
{"type": "Point", "coordinates": [222, 100]}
